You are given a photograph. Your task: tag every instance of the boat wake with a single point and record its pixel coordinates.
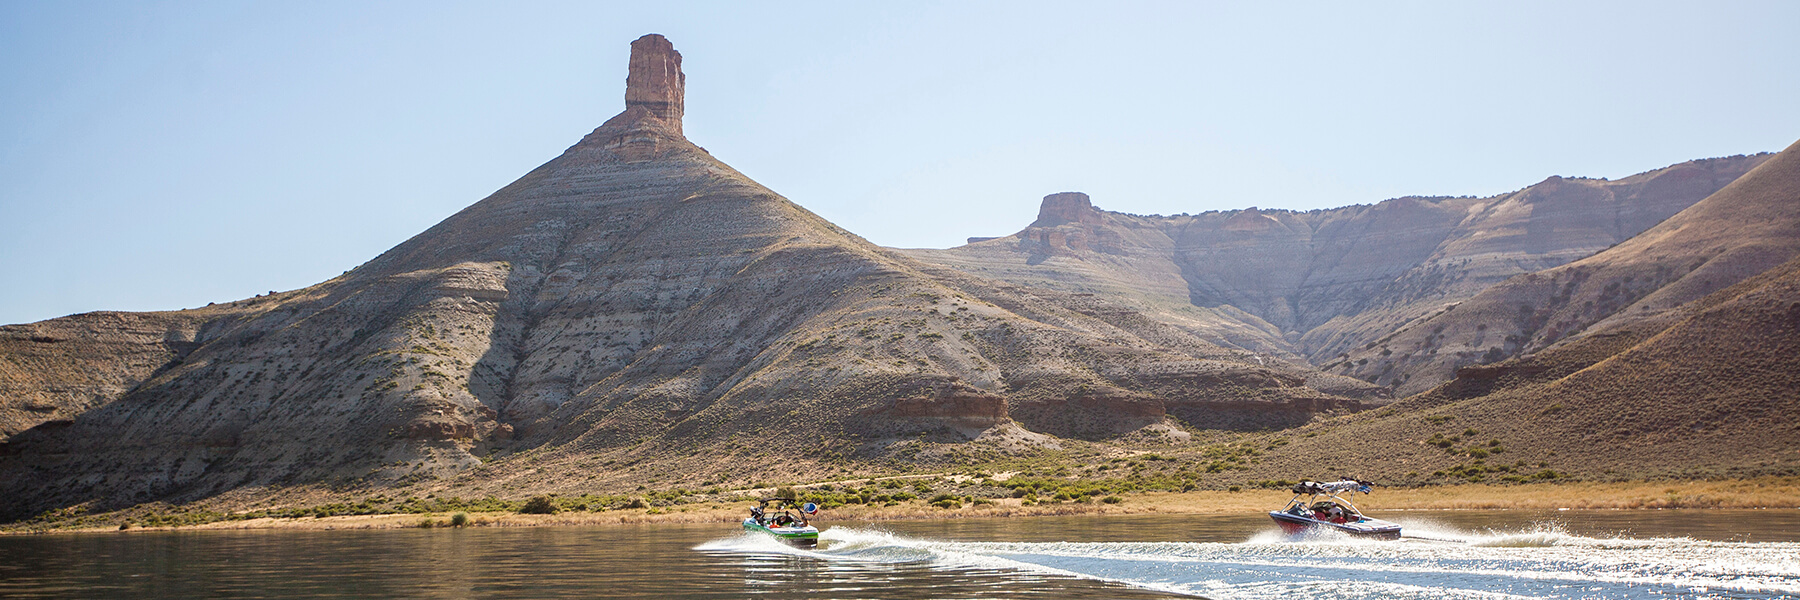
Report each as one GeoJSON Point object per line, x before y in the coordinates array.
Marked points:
{"type": "Point", "coordinates": [1431, 562]}
{"type": "Point", "coordinates": [835, 544]}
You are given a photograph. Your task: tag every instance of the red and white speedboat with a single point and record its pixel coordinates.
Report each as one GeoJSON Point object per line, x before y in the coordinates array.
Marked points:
{"type": "Point", "coordinates": [1322, 506]}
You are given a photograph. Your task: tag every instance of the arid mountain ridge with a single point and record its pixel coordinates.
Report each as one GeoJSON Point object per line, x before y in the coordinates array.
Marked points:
{"type": "Point", "coordinates": [1314, 286]}
{"type": "Point", "coordinates": [635, 312]}
{"type": "Point", "coordinates": [631, 299]}
{"type": "Point", "coordinates": [1678, 350]}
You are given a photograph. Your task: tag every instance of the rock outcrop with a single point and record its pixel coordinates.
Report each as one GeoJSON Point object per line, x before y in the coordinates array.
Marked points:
{"type": "Point", "coordinates": [655, 81]}
{"type": "Point", "coordinates": [1067, 207]}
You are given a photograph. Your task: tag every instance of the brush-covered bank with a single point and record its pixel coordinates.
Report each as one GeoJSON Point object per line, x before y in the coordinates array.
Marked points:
{"type": "Point", "coordinates": [917, 498]}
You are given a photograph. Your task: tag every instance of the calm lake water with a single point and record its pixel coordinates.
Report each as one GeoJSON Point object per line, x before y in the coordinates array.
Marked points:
{"type": "Point", "coordinates": [1468, 554]}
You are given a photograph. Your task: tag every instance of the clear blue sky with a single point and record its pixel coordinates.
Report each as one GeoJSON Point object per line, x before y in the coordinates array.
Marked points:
{"type": "Point", "coordinates": [164, 155]}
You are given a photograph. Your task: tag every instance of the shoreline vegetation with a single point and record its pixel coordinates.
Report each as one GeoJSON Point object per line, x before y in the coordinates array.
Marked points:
{"type": "Point", "coordinates": [542, 511]}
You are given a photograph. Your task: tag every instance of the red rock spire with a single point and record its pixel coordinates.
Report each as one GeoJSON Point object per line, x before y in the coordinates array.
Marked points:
{"type": "Point", "coordinates": [655, 81]}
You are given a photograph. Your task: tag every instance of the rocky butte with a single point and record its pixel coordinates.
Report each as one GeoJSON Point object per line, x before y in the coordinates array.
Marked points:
{"type": "Point", "coordinates": [632, 312]}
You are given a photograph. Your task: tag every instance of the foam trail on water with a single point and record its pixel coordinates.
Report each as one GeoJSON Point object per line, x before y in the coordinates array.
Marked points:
{"type": "Point", "coordinates": [1542, 561]}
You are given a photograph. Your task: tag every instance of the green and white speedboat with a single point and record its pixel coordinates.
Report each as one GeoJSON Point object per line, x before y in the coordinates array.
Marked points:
{"type": "Point", "coordinates": [777, 517]}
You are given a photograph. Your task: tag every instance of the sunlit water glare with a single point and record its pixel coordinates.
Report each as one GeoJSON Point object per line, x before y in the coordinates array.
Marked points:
{"type": "Point", "coordinates": [1463, 554]}
{"type": "Point", "coordinates": [1432, 561]}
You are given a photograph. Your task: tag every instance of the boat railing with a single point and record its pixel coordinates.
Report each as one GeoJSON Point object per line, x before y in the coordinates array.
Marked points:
{"type": "Point", "coordinates": [1305, 501]}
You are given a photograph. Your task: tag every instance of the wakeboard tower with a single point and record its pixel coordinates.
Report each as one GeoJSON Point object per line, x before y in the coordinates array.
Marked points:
{"type": "Point", "coordinates": [1322, 506]}
{"type": "Point", "coordinates": [777, 517]}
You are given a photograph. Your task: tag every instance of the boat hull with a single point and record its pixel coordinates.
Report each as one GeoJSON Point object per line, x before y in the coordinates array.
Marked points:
{"type": "Point", "coordinates": [1365, 528]}
{"type": "Point", "coordinates": [798, 536]}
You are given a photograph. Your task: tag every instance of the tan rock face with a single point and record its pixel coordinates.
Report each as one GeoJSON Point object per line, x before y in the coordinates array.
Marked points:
{"type": "Point", "coordinates": [55, 370]}
{"type": "Point", "coordinates": [655, 81]}
{"type": "Point", "coordinates": [1707, 389]}
{"type": "Point", "coordinates": [1742, 230]}
{"type": "Point", "coordinates": [1318, 287]}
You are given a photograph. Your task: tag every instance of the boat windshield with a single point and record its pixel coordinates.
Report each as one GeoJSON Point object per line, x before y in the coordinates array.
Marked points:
{"type": "Point", "coordinates": [780, 512]}
{"type": "Point", "coordinates": [1313, 498]}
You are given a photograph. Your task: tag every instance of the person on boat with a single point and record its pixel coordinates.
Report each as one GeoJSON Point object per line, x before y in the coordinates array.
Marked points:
{"type": "Point", "coordinates": [756, 512]}
{"type": "Point", "coordinates": [1337, 514]}
{"type": "Point", "coordinates": [783, 521]}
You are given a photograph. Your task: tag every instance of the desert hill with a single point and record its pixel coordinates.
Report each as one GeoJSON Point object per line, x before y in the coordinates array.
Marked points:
{"type": "Point", "coordinates": [1311, 287]}
{"type": "Point", "coordinates": [1674, 354]}
{"type": "Point", "coordinates": [54, 370]}
{"type": "Point", "coordinates": [1704, 390]}
{"type": "Point", "coordinates": [1742, 230]}
{"type": "Point", "coordinates": [628, 307]}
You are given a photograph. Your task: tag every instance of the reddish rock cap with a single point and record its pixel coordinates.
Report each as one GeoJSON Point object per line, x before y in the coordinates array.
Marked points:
{"type": "Point", "coordinates": [1066, 207]}
{"type": "Point", "coordinates": [655, 80]}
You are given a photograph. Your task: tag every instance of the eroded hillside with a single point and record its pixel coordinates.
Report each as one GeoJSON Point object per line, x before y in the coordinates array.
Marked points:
{"type": "Point", "coordinates": [1742, 230]}
{"type": "Point", "coordinates": [1312, 288]}
{"type": "Point", "coordinates": [635, 302]}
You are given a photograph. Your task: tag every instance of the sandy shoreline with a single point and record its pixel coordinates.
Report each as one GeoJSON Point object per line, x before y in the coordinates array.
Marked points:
{"type": "Point", "coordinates": [1764, 493]}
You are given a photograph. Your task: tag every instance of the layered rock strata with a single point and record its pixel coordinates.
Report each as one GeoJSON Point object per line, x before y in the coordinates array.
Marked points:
{"type": "Point", "coordinates": [655, 82]}
{"type": "Point", "coordinates": [1319, 287]}
{"type": "Point", "coordinates": [1748, 227]}
{"type": "Point", "coordinates": [631, 299]}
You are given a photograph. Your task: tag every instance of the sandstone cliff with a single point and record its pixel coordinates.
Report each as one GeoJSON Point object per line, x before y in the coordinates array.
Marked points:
{"type": "Point", "coordinates": [631, 303]}
{"type": "Point", "coordinates": [1325, 287]}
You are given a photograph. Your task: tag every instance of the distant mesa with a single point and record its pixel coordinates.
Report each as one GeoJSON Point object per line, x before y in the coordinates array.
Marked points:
{"type": "Point", "coordinates": [1067, 207]}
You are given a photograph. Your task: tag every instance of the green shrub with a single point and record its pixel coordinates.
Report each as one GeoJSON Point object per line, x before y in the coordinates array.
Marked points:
{"type": "Point", "coordinates": [459, 519]}
{"type": "Point", "coordinates": [539, 505]}
{"type": "Point", "coordinates": [1112, 499]}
